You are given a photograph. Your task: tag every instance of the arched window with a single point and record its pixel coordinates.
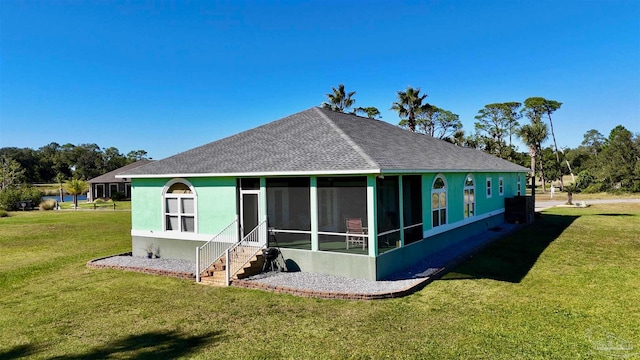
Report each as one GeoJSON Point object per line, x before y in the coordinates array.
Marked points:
{"type": "Point", "coordinates": [439, 201]}
{"type": "Point", "coordinates": [179, 200]}
{"type": "Point", "coordinates": [469, 196]}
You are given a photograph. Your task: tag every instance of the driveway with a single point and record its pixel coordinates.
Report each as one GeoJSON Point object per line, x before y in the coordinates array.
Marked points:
{"type": "Point", "coordinates": [545, 204]}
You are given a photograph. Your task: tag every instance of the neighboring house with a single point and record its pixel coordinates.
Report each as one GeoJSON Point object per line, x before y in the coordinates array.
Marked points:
{"type": "Point", "coordinates": [340, 194]}
{"type": "Point", "coordinates": [104, 186]}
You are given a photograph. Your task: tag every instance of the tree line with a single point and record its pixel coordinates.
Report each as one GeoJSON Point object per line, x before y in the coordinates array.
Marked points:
{"type": "Point", "coordinates": [54, 163]}
{"type": "Point", "coordinates": [599, 164]}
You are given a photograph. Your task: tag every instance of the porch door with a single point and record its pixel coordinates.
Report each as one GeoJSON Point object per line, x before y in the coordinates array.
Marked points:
{"type": "Point", "coordinates": [249, 210]}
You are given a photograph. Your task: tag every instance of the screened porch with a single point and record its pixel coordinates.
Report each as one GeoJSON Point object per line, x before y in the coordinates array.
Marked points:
{"type": "Point", "coordinates": [332, 213]}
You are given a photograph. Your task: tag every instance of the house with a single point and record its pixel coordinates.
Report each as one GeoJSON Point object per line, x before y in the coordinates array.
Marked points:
{"type": "Point", "coordinates": [106, 185]}
{"type": "Point", "coordinates": [336, 193]}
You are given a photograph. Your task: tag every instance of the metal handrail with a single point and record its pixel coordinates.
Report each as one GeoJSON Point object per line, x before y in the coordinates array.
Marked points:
{"type": "Point", "coordinates": [214, 249]}
{"type": "Point", "coordinates": [238, 255]}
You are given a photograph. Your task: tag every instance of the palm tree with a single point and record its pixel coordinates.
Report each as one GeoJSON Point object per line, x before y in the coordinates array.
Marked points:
{"type": "Point", "coordinates": [533, 135]}
{"type": "Point", "coordinates": [409, 105]}
{"type": "Point", "coordinates": [76, 187]}
{"type": "Point", "coordinates": [371, 112]}
{"type": "Point", "coordinates": [339, 100]}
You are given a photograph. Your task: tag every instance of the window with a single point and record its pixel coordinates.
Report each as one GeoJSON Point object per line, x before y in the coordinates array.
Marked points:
{"type": "Point", "coordinates": [179, 207]}
{"type": "Point", "coordinates": [488, 188]}
{"type": "Point", "coordinates": [439, 201]}
{"type": "Point", "coordinates": [469, 196]}
{"type": "Point", "coordinates": [501, 186]}
{"type": "Point", "coordinates": [519, 186]}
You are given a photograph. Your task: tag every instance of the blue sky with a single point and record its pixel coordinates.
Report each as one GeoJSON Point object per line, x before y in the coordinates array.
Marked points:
{"type": "Point", "coordinates": [169, 76]}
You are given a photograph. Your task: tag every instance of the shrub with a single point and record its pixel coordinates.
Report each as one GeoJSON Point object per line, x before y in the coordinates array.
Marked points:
{"type": "Point", "coordinates": [584, 180]}
{"type": "Point", "coordinates": [594, 188]}
{"type": "Point", "coordinates": [31, 193]}
{"type": "Point", "coordinates": [10, 199]}
{"type": "Point", "coordinates": [117, 196]}
{"type": "Point", "coordinates": [3, 214]}
{"type": "Point", "coordinates": [48, 204]}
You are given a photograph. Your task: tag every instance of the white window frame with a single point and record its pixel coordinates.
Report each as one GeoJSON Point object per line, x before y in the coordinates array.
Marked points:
{"type": "Point", "coordinates": [489, 185]}
{"type": "Point", "coordinates": [501, 186]}
{"type": "Point", "coordinates": [519, 184]}
{"type": "Point", "coordinates": [179, 214]}
{"type": "Point", "coordinates": [440, 208]}
{"type": "Point", "coordinates": [469, 209]}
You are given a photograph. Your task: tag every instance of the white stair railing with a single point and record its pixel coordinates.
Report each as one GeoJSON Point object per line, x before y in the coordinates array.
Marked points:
{"type": "Point", "coordinates": [238, 255]}
{"type": "Point", "coordinates": [215, 248]}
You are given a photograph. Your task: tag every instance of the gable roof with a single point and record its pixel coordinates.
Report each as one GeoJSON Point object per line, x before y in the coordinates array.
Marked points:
{"type": "Point", "coordinates": [110, 177]}
{"type": "Point", "coordinates": [321, 141]}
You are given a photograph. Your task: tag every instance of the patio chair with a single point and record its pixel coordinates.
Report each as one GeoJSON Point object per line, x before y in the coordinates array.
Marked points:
{"type": "Point", "coordinates": [356, 234]}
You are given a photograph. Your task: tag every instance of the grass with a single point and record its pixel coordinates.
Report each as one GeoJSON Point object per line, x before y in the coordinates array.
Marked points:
{"type": "Point", "coordinates": [550, 291]}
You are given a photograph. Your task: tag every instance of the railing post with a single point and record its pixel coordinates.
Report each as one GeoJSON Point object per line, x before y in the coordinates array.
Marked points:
{"type": "Point", "coordinates": [197, 264]}
{"type": "Point", "coordinates": [227, 268]}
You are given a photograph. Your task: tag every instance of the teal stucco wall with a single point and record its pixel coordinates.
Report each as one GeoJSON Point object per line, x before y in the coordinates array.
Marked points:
{"type": "Point", "coordinates": [216, 199]}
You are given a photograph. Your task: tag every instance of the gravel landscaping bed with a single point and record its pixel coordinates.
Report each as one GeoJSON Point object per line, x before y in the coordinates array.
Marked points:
{"type": "Point", "coordinates": [169, 267]}
{"type": "Point", "coordinates": [313, 282]}
{"type": "Point", "coordinates": [321, 285]}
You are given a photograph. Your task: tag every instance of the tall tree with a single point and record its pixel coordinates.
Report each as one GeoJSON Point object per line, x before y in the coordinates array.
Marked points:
{"type": "Point", "coordinates": [87, 160]}
{"type": "Point", "coordinates": [339, 99]}
{"type": "Point", "coordinates": [546, 107]}
{"type": "Point", "coordinates": [620, 160]}
{"type": "Point", "coordinates": [409, 105]}
{"type": "Point", "coordinates": [436, 122]}
{"type": "Point", "coordinates": [446, 125]}
{"type": "Point", "coordinates": [511, 113]}
{"type": "Point", "coordinates": [593, 141]}
{"type": "Point", "coordinates": [136, 155]}
{"type": "Point", "coordinates": [491, 127]}
{"type": "Point", "coordinates": [11, 173]}
{"type": "Point", "coordinates": [112, 159]}
{"type": "Point", "coordinates": [370, 111]}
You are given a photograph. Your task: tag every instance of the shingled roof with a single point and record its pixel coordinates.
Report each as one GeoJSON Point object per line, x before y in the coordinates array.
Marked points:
{"type": "Point", "coordinates": [110, 177]}
{"type": "Point", "coordinates": [321, 141]}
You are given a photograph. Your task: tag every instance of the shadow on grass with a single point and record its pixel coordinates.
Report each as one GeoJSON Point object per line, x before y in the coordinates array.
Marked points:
{"type": "Point", "coordinates": [18, 352]}
{"type": "Point", "coordinates": [152, 345]}
{"type": "Point", "coordinates": [510, 259]}
{"type": "Point", "coordinates": [616, 214]}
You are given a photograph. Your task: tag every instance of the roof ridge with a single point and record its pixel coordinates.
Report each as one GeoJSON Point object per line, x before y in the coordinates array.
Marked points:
{"type": "Point", "coordinates": [349, 140]}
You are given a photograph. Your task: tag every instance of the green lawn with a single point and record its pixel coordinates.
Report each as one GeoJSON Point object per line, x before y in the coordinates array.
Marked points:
{"type": "Point", "coordinates": [557, 290]}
